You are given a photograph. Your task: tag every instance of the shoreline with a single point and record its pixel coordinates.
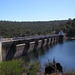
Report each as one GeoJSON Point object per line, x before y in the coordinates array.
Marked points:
{"type": "Point", "coordinates": [70, 38]}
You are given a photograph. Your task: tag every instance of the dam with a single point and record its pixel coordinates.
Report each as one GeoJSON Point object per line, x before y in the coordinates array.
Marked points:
{"type": "Point", "coordinates": [14, 47]}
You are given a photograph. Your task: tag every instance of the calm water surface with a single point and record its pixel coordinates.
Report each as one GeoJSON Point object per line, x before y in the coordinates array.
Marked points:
{"type": "Point", "coordinates": [63, 53]}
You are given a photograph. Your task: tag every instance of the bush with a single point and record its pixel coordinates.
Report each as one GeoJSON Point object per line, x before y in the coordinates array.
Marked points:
{"type": "Point", "coordinates": [17, 67]}
{"type": "Point", "coordinates": [34, 68]}
{"type": "Point", "coordinates": [11, 67]}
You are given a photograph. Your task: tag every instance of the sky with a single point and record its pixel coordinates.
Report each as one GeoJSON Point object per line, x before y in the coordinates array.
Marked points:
{"type": "Point", "coordinates": [36, 10]}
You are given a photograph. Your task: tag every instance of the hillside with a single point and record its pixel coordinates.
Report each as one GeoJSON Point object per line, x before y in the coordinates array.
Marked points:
{"type": "Point", "coordinates": [69, 28]}
{"type": "Point", "coordinates": [18, 29]}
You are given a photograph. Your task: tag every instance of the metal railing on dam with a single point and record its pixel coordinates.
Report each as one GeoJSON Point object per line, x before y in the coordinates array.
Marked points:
{"type": "Point", "coordinates": [14, 47]}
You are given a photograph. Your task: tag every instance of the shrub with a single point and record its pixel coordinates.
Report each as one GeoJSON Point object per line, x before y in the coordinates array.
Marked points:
{"type": "Point", "coordinates": [18, 67]}
{"type": "Point", "coordinates": [11, 67]}
{"type": "Point", "coordinates": [34, 68]}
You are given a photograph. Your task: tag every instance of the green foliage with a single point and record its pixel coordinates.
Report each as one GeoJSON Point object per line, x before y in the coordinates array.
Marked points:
{"type": "Point", "coordinates": [18, 67]}
{"type": "Point", "coordinates": [34, 68]}
{"type": "Point", "coordinates": [19, 29]}
{"type": "Point", "coordinates": [69, 28]}
{"type": "Point", "coordinates": [11, 68]}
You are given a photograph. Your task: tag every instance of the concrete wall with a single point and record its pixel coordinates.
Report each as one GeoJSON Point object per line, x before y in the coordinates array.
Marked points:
{"type": "Point", "coordinates": [45, 42]}
{"type": "Point", "coordinates": [7, 51]}
{"type": "Point", "coordinates": [0, 51]}
{"type": "Point", "coordinates": [19, 49]}
{"type": "Point", "coordinates": [13, 50]}
{"type": "Point", "coordinates": [39, 44]}
{"type": "Point", "coordinates": [53, 40]}
{"type": "Point", "coordinates": [49, 41]}
{"type": "Point", "coordinates": [31, 48]}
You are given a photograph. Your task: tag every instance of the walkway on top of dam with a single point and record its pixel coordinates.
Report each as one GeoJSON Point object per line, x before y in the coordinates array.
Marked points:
{"type": "Point", "coordinates": [27, 38]}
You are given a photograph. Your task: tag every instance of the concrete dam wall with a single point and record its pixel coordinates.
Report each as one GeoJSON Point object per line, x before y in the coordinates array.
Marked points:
{"type": "Point", "coordinates": [13, 49]}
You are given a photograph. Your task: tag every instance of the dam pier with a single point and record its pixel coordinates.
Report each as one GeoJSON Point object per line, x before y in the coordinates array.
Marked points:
{"type": "Point", "coordinates": [14, 47]}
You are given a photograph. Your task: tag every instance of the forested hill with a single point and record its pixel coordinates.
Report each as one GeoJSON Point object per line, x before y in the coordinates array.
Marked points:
{"type": "Point", "coordinates": [18, 29]}
{"type": "Point", "coordinates": [69, 28]}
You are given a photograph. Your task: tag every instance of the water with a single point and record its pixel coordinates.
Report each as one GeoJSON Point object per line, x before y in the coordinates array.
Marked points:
{"type": "Point", "coordinates": [63, 53]}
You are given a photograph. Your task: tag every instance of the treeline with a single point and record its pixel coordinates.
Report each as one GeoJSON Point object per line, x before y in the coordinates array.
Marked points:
{"type": "Point", "coordinates": [69, 28]}
{"type": "Point", "coordinates": [21, 29]}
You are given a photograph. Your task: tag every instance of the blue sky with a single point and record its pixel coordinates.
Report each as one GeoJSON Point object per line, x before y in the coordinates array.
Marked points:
{"type": "Point", "coordinates": [36, 10]}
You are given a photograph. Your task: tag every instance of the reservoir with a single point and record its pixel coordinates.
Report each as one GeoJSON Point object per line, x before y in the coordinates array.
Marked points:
{"type": "Point", "coordinates": [64, 53]}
